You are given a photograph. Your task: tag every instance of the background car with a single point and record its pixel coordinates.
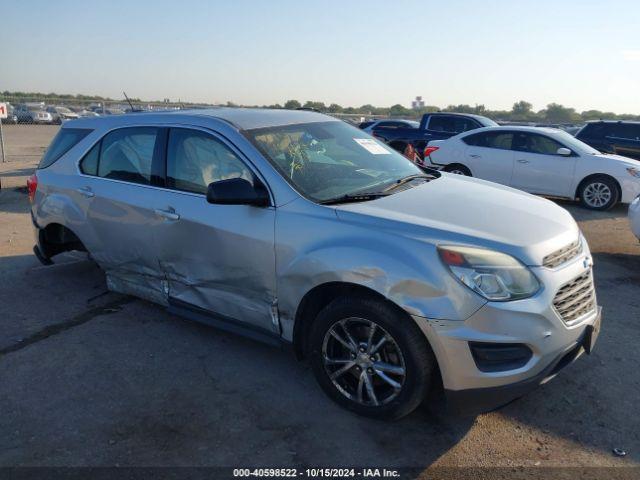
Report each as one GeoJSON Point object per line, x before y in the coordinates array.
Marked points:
{"type": "Point", "coordinates": [33, 113]}
{"type": "Point", "coordinates": [11, 115]}
{"type": "Point", "coordinates": [433, 126]}
{"type": "Point", "coordinates": [543, 161]}
{"type": "Point", "coordinates": [61, 114]}
{"type": "Point", "coordinates": [385, 124]}
{"type": "Point", "coordinates": [612, 136]}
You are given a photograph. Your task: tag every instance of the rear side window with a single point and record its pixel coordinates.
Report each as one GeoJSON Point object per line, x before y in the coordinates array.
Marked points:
{"type": "Point", "coordinates": [127, 154]}
{"type": "Point", "coordinates": [391, 125]}
{"type": "Point", "coordinates": [66, 139]}
{"type": "Point", "coordinates": [500, 140]}
{"type": "Point", "coordinates": [451, 124]}
{"type": "Point", "coordinates": [89, 164]}
{"type": "Point", "coordinates": [195, 159]}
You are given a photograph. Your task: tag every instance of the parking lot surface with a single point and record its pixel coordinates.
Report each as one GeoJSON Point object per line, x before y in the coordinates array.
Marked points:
{"type": "Point", "coordinates": [89, 377]}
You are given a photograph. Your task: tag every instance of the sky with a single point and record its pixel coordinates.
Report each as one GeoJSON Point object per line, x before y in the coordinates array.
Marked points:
{"type": "Point", "coordinates": [580, 53]}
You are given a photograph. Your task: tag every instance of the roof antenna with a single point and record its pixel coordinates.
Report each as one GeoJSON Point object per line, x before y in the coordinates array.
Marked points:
{"type": "Point", "coordinates": [129, 101]}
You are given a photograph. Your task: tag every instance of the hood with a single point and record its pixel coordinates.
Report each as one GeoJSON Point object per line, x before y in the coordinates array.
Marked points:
{"type": "Point", "coordinates": [463, 210]}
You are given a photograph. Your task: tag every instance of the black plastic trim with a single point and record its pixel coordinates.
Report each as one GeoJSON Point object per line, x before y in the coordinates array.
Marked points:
{"type": "Point", "coordinates": [223, 322]}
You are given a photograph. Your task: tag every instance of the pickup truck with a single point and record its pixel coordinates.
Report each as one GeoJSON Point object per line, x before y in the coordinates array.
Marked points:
{"type": "Point", "coordinates": [433, 126]}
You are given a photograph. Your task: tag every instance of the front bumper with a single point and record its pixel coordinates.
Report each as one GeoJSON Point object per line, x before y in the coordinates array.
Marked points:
{"type": "Point", "coordinates": [630, 187]}
{"type": "Point", "coordinates": [474, 401]}
{"type": "Point", "coordinates": [532, 322]}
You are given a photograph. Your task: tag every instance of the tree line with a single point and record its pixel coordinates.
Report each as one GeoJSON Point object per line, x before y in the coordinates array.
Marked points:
{"type": "Point", "coordinates": [522, 111]}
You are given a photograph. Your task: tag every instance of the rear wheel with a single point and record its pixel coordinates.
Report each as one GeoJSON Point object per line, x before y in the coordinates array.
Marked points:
{"type": "Point", "coordinates": [370, 358]}
{"type": "Point", "coordinates": [599, 193]}
{"type": "Point", "coordinates": [458, 169]}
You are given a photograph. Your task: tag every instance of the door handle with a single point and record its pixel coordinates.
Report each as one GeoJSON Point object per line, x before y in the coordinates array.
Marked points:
{"type": "Point", "coordinates": [167, 214]}
{"type": "Point", "coordinates": [522, 160]}
{"type": "Point", "coordinates": [86, 191]}
{"type": "Point", "coordinates": [473, 155]}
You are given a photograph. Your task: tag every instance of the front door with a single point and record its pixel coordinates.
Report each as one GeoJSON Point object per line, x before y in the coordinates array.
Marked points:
{"type": "Point", "coordinates": [539, 169]}
{"type": "Point", "coordinates": [216, 258]}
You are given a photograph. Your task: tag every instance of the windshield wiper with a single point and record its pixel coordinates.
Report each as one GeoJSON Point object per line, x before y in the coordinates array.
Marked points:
{"type": "Point", "coordinates": [407, 179]}
{"type": "Point", "coordinates": [353, 198]}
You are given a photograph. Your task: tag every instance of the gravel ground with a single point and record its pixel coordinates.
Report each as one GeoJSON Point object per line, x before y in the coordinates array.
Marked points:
{"type": "Point", "coordinates": [90, 378]}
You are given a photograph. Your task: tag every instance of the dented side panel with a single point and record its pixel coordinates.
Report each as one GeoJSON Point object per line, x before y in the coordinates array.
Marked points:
{"type": "Point", "coordinates": [220, 257]}
{"type": "Point", "coordinates": [404, 270]}
{"type": "Point", "coordinates": [124, 227]}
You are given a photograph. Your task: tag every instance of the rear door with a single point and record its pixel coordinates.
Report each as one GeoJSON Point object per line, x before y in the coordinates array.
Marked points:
{"type": "Point", "coordinates": [216, 258]}
{"type": "Point", "coordinates": [539, 169]}
{"type": "Point", "coordinates": [489, 156]}
{"type": "Point", "coordinates": [117, 185]}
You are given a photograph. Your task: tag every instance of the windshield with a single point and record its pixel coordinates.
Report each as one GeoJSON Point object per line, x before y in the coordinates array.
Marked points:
{"type": "Point", "coordinates": [574, 144]}
{"type": "Point", "coordinates": [328, 160]}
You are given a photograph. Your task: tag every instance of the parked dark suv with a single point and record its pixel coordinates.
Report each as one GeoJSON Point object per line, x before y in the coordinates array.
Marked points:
{"type": "Point", "coordinates": [622, 138]}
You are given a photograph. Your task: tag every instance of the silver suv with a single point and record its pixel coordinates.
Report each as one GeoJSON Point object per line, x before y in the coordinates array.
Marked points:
{"type": "Point", "coordinates": [292, 226]}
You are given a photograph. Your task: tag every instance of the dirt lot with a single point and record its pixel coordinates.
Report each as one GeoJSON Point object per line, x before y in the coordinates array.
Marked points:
{"type": "Point", "coordinates": [93, 378]}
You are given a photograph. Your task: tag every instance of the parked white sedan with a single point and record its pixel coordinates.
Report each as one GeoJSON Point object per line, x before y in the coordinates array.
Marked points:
{"type": "Point", "coordinates": [543, 161]}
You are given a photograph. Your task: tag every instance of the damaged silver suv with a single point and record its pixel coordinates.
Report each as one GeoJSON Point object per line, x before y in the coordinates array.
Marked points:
{"type": "Point", "coordinates": [292, 226]}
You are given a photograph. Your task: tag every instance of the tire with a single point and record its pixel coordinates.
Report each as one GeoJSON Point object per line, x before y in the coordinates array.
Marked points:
{"type": "Point", "coordinates": [599, 193]}
{"type": "Point", "coordinates": [458, 169]}
{"type": "Point", "coordinates": [405, 358]}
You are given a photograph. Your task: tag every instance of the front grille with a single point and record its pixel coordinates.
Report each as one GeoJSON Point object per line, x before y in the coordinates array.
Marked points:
{"type": "Point", "coordinates": [563, 255]}
{"type": "Point", "coordinates": [576, 298]}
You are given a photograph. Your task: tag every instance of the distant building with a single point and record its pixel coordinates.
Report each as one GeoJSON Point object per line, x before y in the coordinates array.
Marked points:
{"type": "Point", "coordinates": [417, 104]}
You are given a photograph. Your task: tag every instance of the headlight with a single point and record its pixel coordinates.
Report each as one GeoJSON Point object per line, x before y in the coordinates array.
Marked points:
{"type": "Point", "coordinates": [495, 276]}
{"type": "Point", "coordinates": [634, 172]}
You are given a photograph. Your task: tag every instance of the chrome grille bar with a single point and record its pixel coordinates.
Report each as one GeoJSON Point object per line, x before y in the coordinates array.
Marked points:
{"type": "Point", "coordinates": [562, 255]}
{"type": "Point", "coordinates": [576, 298]}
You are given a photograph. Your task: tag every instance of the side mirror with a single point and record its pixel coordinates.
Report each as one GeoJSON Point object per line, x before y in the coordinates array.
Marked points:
{"type": "Point", "coordinates": [237, 191]}
{"type": "Point", "coordinates": [563, 151]}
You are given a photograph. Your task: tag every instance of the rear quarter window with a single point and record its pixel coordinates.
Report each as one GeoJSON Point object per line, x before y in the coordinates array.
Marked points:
{"type": "Point", "coordinates": [64, 141]}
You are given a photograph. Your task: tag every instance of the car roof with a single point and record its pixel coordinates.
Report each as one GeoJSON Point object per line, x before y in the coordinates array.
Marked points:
{"type": "Point", "coordinates": [516, 128]}
{"type": "Point", "coordinates": [241, 118]}
{"type": "Point", "coordinates": [458, 114]}
{"type": "Point", "coordinates": [635, 122]}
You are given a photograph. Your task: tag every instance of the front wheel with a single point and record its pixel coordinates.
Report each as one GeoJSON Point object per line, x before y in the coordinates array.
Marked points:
{"type": "Point", "coordinates": [599, 193]}
{"type": "Point", "coordinates": [371, 358]}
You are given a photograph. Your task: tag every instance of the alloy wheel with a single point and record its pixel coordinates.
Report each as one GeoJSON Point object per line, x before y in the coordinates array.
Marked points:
{"type": "Point", "coordinates": [597, 194]}
{"type": "Point", "coordinates": [363, 361]}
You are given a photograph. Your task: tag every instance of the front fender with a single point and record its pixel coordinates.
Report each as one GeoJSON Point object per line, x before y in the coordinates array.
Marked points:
{"type": "Point", "coordinates": [405, 271]}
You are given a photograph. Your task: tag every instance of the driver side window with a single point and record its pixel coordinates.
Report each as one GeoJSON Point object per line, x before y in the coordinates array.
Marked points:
{"type": "Point", "coordinates": [533, 143]}
{"type": "Point", "coordinates": [196, 159]}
